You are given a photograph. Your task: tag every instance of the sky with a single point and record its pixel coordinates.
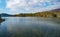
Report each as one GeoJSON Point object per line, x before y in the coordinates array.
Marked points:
{"type": "Point", "coordinates": [27, 6]}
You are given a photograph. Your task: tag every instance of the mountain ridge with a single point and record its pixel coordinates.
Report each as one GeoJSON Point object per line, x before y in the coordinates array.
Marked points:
{"type": "Point", "coordinates": [51, 13]}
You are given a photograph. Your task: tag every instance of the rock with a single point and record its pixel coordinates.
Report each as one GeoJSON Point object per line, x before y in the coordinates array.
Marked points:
{"type": "Point", "coordinates": [1, 20]}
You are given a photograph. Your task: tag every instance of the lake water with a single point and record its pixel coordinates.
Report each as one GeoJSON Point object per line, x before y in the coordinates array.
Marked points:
{"type": "Point", "coordinates": [30, 27]}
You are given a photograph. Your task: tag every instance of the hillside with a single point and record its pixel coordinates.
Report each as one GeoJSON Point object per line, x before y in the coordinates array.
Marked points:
{"type": "Point", "coordinates": [5, 15]}
{"type": "Point", "coordinates": [51, 13]}
{"type": "Point", "coordinates": [41, 14]}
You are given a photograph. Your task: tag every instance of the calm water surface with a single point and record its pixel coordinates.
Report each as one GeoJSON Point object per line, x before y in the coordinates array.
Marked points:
{"type": "Point", "coordinates": [30, 27]}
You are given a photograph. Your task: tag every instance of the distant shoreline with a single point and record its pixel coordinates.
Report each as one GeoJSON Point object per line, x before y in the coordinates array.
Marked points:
{"type": "Point", "coordinates": [49, 14]}
{"type": "Point", "coordinates": [39, 14]}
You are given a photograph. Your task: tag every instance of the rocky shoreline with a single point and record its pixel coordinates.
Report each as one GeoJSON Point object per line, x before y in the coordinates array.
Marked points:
{"type": "Point", "coordinates": [1, 20]}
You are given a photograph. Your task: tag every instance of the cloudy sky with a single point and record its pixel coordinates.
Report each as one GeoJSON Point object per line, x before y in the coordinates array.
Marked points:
{"type": "Point", "coordinates": [27, 6]}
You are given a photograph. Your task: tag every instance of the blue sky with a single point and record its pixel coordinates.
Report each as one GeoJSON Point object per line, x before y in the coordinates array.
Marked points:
{"type": "Point", "coordinates": [27, 6]}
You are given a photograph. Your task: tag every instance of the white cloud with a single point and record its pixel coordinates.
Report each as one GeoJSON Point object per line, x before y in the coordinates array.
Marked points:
{"type": "Point", "coordinates": [16, 5]}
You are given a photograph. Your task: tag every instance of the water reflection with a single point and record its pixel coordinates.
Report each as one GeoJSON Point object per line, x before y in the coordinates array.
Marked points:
{"type": "Point", "coordinates": [30, 27]}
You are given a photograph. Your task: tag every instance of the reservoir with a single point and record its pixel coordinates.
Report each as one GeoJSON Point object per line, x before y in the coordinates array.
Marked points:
{"type": "Point", "coordinates": [30, 27]}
